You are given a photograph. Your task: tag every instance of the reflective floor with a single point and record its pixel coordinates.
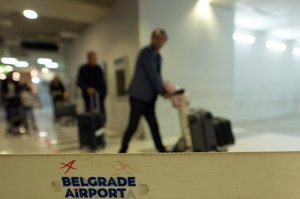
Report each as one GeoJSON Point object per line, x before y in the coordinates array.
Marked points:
{"type": "Point", "coordinates": [281, 134]}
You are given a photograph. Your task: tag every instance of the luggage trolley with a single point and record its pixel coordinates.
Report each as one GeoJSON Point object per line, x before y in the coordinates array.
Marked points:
{"type": "Point", "coordinates": [201, 131]}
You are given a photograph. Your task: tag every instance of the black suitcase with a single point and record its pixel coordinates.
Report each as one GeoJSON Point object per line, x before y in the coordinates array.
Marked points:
{"type": "Point", "coordinates": [202, 130]}
{"type": "Point", "coordinates": [91, 129]}
{"type": "Point", "coordinates": [224, 132]}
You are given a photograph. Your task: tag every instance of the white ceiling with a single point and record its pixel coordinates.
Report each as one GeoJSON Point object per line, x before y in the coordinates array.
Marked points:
{"type": "Point", "coordinates": [63, 19]}
{"type": "Point", "coordinates": [81, 11]}
{"type": "Point", "coordinates": [278, 18]}
{"type": "Point", "coordinates": [59, 22]}
{"type": "Point", "coordinates": [58, 19]}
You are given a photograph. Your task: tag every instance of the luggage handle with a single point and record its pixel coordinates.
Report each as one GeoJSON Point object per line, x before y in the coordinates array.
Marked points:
{"type": "Point", "coordinates": [94, 103]}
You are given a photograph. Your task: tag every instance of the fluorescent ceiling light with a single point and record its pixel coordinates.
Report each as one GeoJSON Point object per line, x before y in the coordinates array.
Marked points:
{"type": "Point", "coordinates": [22, 64]}
{"type": "Point", "coordinates": [30, 14]}
{"type": "Point", "coordinates": [244, 38]}
{"type": "Point", "coordinates": [44, 61]}
{"type": "Point", "coordinates": [276, 46]}
{"type": "Point", "coordinates": [296, 51]}
{"type": "Point", "coordinates": [52, 65]}
{"type": "Point", "coordinates": [9, 60]}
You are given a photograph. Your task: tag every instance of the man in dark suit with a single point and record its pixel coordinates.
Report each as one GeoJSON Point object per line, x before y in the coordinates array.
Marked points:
{"type": "Point", "coordinates": [146, 85]}
{"type": "Point", "coordinates": [91, 81]}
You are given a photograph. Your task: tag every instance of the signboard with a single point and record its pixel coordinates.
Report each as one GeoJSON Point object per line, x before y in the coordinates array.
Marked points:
{"type": "Point", "coordinates": [121, 74]}
{"type": "Point", "coordinates": [154, 176]}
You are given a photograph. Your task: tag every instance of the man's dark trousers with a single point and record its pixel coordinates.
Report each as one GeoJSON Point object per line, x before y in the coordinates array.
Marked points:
{"type": "Point", "coordinates": [138, 108]}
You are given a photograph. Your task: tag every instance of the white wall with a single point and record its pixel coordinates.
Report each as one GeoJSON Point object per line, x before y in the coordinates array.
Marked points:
{"type": "Point", "coordinates": [198, 55]}
{"type": "Point", "coordinates": [237, 81]}
{"type": "Point", "coordinates": [266, 82]}
{"type": "Point", "coordinates": [114, 36]}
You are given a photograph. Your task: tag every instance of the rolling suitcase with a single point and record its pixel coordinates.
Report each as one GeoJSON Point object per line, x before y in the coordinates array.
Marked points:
{"type": "Point", "coordinates": [91, 132]}
{"type": "Point", "coordinates": [202, 131]}
{"type": "Point", "coordinates": [224, 133]}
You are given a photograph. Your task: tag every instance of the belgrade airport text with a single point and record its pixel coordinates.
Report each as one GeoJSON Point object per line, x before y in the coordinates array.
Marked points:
{"type": "Point", "coordinates": [97, 187]}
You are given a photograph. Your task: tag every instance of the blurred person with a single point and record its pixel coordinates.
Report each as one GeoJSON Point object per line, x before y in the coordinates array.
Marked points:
{"type": "Point", "coordinates": [146, 85]}
{"type": "Point", "coordinates": [57, 90]}
{"type": "Point", "coordinates": [28, 100]}
{"type": "Point", "coordinates": [91, 81]}
{"type": "Point", "coordinates": [10, 94]}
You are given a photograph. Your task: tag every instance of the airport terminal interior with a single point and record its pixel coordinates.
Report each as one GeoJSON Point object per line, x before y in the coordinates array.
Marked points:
{"type": "Point", "coordinates": [237, 59]}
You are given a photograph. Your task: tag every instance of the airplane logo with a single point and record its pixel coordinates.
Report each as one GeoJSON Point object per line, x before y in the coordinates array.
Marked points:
{"type": "Point", "coordinates": [69, 166]}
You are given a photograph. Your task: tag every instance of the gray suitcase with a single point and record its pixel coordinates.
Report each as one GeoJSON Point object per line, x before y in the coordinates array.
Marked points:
{"type": "Point", "coordinates": [202, 130]}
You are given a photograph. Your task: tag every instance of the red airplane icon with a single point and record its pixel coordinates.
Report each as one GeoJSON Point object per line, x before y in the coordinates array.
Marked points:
{"type": "Point", "coordinates": [69, 165]}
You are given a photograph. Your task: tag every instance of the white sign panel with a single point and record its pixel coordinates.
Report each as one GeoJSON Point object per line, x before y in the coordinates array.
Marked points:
{"type": "Point", "coordinates": [174, 176]}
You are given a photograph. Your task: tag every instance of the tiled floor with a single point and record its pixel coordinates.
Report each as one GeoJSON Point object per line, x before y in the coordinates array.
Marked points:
{"type": "Point", "coordinates": [56, 138]}
{"type": "Point", "coordinates": [281, 134]}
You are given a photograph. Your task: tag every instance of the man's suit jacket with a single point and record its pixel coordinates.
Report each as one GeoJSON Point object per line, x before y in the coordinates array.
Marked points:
{"type": "Point", "coordinates": [147, 82]}
{"type": "Point", "coordinates": [91, 76]}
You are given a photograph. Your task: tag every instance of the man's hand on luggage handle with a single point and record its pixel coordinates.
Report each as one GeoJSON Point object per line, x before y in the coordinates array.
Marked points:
{"type": "Point", "coordinates": [177, 92]}
{"type": "Point", "coordinates": [167, 95]}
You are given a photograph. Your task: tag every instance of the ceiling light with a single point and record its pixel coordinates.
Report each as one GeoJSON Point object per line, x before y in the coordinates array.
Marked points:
{"type": "Point", "coordinates": [9, 69]}
{"type": "Point", "coordinates": [45, 70]}
{"type": "Point", "coordinates": [2, 76]}
{"type": "Point", "coordinates": [16, 76]}
{"type": "Point", "coordinates": [248, 39]}
{"type": "Point", "coordinates": [44, 61]}
{"type": "Point", "coordinates": [22, 64]}
{"type": "Point", "coordinates": [30, 14]}
{"type": "Point", "coordinates": [296, 51]}
{"type": "Point", "coordinates": [203, 8]}
{"type": "Point", "coordinates": [9, 60]}
{"type": "Point", "coordinates": [276, 46]}
{"type": "Point", "coordinates": [52, 65]}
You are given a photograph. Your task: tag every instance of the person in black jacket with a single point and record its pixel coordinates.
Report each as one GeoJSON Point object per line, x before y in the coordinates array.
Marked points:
{"type": "Point", "coordinates": [146, 85]}
{"type": "Point", "coordinates": [10, 94]}
{"type": "Point", "coordinates": [57, 90]}
{"type": "Point", "coordinates": [91, 80]}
